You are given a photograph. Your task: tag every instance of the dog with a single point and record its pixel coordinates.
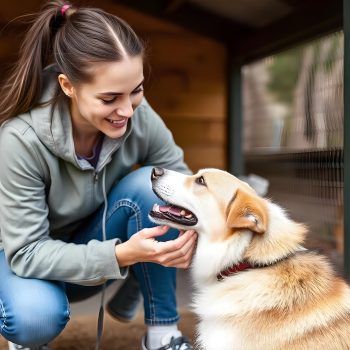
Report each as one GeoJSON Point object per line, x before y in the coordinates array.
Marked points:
{"type": "Point", "coordinates": [257, 287]}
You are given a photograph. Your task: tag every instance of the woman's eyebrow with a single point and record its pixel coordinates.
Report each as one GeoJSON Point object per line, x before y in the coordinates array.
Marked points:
{"type": "Point", "coordinates": [110, 93]}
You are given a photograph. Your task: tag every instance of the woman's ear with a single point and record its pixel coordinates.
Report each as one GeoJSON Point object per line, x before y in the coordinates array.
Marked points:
{"type": "Point", "coordinates": [247, 212]}
{"type": "Point", "coordinates": [66, 85]}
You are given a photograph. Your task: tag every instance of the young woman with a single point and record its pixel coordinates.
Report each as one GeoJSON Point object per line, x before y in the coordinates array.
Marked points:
{"type": "Point", "coordinates": [73, 213]}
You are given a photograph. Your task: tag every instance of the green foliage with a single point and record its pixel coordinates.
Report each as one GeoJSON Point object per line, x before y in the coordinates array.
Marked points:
{"type": "Point", "coordinates": [283, 72]}
{"type": "Point", "coordinates": [284, 67]}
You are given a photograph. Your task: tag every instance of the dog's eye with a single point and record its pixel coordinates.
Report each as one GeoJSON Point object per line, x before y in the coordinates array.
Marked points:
{"type": "Point", "coordinates": [200, 181]}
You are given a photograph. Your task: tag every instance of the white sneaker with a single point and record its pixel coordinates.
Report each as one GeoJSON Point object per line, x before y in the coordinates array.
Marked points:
{"type": "Point", "coordinates": [13, 346]}
{"type": "Point", "coordinates": [179, 343]}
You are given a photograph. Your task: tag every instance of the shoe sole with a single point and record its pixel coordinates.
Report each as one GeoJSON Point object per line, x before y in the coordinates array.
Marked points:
{"type": "Point", "coordinates": [118, 317]}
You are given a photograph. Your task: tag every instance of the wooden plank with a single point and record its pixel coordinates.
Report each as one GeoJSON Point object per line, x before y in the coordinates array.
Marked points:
{"type": "Point", "coordinates": [173, 79]}
{"type": "Point", "coordinates": [198, 132]}
{"type": "Point", "coordinates": [11, 10]}
{"type": "Point", "coordinates": [183, 118]}
{"type": "Point", "coordinates": [195, 53]}
{"type": "Point", "coordinates": [195, 105]}
{"type": "Point", "coordinates": [177, 83]}
{"type": "Point", "coordinates": [198, 157]}
{"type": "Point", "coordinates": [10, 41]}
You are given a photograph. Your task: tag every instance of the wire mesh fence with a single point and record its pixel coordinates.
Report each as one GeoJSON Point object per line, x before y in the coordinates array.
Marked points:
{"type": "Point", "coordinates": [293, 135]}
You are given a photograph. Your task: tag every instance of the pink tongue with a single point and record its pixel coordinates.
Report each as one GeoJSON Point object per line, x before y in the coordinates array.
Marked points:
{"type": "Point", "coordinates": [170, 208]}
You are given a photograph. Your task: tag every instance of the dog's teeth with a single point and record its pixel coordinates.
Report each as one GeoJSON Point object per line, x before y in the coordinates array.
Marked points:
{"type": "Point", "coordinates": [183, 212]}
{"type": "Point", "coordinates": [188, 216]}
{"type": "Point", "coordinates": [155, 207]}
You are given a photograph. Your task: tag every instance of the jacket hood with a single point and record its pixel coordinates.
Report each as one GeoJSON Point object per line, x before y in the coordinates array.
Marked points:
{"type": "Point", "coordinates": [53, 126]}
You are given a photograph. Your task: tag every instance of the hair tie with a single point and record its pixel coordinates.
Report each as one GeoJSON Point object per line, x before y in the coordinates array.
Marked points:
{"type": "Point", "coordinates": [64, 9]}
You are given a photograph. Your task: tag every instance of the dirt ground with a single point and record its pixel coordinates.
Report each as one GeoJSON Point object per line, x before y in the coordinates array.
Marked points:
{"type": "Point", "coordinates": [80, 333]}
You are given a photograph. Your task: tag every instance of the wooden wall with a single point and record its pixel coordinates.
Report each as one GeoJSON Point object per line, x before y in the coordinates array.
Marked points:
{"type": "Point", "coordinates": [186, 85]}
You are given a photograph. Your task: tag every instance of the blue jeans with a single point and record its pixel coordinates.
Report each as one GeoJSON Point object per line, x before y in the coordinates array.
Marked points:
{"type": "Point", "coordinates": [34, 312]}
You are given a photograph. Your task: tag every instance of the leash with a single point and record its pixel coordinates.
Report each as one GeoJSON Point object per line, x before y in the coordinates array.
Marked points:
{"type": "Point", "coordinates": [100, 318]}
{"type": "Point", "coordinates": [102, 302]}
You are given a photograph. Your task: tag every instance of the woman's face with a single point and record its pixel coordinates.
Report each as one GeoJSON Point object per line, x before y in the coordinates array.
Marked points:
{"type": "Point", "coordinates": [108, 102]}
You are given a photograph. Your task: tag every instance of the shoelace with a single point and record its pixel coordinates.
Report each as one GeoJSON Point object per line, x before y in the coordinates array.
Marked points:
{"type": "Point", "coordinates": [180, 343]}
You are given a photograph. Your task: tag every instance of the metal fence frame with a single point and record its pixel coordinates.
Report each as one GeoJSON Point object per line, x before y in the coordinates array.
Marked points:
{"type": "Point", "coordinates": [346, 29]}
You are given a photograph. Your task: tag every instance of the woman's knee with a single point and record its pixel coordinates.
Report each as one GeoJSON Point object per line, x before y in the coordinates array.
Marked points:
{"type": "Point", "coordinates": [140, 178]}
{"type": "Point", "coordinates": [33, 319]}
{"type": "Point", "coordinates": [137, 184]}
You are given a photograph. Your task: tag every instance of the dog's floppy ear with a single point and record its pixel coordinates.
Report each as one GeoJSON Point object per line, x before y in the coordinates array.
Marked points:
{"type": "Point", "coordinates": [247, 212]}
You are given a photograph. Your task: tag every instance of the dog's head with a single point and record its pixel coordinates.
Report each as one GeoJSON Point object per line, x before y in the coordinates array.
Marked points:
{"type": "Point", "coordinates": [227, 213]}
{"type": "Point", "coordinates": [211, 202]}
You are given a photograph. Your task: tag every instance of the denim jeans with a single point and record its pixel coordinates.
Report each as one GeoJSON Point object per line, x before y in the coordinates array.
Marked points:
{"type": "Point", "coordinates": [34, 312]}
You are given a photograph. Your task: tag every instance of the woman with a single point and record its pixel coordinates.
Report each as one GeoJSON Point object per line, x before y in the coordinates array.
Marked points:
{"type": "Point", "coordinates": [73, 214]}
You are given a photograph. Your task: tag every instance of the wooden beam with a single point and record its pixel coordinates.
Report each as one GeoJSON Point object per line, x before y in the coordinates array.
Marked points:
{"type": "Point", "coordinates": [310, 21]}
{"type": "Point", "coordinates": [190, 16]}
{"type": "Point", "coordinates": [296, 3]}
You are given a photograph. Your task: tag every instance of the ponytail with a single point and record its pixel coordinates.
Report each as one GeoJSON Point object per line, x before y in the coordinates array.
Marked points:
{"type": "Point", "coordinates": [23, 86]}
{"type": "Point", "coordinates": [71, 38]}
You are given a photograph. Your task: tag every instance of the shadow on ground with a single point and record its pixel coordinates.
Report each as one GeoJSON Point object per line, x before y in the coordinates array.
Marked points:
{"type": "Point", "coordinates": [80, 333]}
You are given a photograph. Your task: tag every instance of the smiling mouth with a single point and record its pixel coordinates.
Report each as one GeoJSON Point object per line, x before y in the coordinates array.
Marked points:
{"type": "Point", "coordinates": [173, 213]}
{"type": "Point", "coordinates": [120, 122]}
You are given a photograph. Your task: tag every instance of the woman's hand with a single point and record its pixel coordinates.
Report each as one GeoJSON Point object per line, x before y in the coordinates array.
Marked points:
{"type": "Point", "coordinates": [143, 247]}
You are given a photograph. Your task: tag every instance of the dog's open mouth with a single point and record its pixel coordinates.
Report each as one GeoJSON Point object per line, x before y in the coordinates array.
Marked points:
{"type": "Point", "coordinates": [174, 214]}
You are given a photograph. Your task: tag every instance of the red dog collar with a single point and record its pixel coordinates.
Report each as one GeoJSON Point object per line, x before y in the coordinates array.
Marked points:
{"type": "Point", "coordinates": [233, 269]}
{"type": "Point", "coordinates": [244, 265]}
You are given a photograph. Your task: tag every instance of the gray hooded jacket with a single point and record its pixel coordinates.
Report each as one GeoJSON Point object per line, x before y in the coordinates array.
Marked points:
{"type": "Point", "coordinates": [46, 191]}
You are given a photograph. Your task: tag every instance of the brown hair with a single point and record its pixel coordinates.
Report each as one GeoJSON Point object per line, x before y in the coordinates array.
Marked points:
{"type": "Point", "coordinates": [73, 40]}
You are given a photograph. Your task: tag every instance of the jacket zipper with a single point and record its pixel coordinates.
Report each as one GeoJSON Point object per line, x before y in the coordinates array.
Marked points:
{"type": "Point", "coordinates": [96, 172]}
{"type": "Point", "coordinates": [95, 176]}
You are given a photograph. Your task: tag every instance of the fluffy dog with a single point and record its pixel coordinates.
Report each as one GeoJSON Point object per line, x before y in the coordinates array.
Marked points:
{"type": "Point", "coordinates": [257, 287]}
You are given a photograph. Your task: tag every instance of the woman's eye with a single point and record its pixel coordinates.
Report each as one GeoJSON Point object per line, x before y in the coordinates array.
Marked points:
{"type": "Point", "coordinates": [200, 181]}
{"type": "Point", "coordinates": [137, 91]}
{"type": "Point", "coordinates": [106, 102]}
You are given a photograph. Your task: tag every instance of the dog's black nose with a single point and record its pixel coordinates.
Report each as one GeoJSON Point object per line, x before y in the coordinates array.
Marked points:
{"type": "Point", "coordinates": [157, 172]}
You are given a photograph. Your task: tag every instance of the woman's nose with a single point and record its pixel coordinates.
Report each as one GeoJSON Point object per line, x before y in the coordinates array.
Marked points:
{"type": "Point", "coordinates": [125, 109]}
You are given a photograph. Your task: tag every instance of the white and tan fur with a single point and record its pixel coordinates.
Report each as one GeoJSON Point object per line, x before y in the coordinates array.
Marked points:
{"type": "Point", "coordinates": [293, 301]}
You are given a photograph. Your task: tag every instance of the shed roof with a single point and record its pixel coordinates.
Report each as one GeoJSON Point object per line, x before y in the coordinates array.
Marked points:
{"type": "Point", "coordinates": [251, 28]}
